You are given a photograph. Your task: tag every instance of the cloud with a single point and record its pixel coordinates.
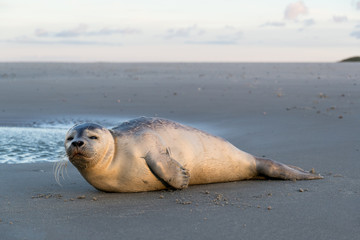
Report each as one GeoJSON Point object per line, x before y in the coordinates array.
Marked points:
{"type": "Point", "coordinates": [355, 34]}
{"type": "Point", "coordinates": [109, 31]}
{"type": "Point", "coordinates": [308, 22]}
{"type": "Point", "coordinates": [75, 32]}
{"type": "Point", "coordinates": [340, 19]}
{"type": "Point", "coordinates": [293, 10]}
{"type": "Point", "coordinates": [184, 32]}
{"type": "Point", "coordinates": [41, 33]}
{"type": "Point", "coordinates": [358, 5]}
{"type": "Point", "coordinates": [82, 30]}
{"type": "Point", "coordinates": [27, 40]}
{"type": "Point", "coordinates": [273, 24]}
{"type": "Point", "coordinates": [227, 35]}
{"type": "Point", "coordinates": [69, 36]}
{"type": "Point", "coordinates": [224, 38]}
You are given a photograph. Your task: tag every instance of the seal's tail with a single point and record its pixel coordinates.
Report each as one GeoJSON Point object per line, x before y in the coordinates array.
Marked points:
{"type": "Point", "coordinates": [271, 169]}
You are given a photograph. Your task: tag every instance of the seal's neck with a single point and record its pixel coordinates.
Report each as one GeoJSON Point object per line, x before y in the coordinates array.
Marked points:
{"type": "Point", "coordinates": [99, 171]}
{"type": "Point", "coordinates": [103, 161]}
{"type": "Point", "coordinates": [108, 156]}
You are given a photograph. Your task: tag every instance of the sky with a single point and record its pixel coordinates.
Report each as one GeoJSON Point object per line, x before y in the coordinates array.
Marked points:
{"type": "Point", "coordinates": [179, 30]}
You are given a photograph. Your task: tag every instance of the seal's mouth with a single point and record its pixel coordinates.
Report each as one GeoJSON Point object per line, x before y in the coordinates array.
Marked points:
{"type": "Point", "coordinates": [80, 153]}
{"type": "Point", "coordinates": [75, 153]}
{"type": "Point", "coordinates": [79, 159]}
{"type": "Point", "coordinates": [79, 156]}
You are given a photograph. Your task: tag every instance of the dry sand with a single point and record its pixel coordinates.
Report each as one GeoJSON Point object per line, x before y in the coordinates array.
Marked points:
{"type": "Point", "coordinates": [301, 114]}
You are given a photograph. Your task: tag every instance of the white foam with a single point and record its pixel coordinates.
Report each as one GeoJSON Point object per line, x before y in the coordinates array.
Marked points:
{"type": "Point", "coordinates": [26, 145]}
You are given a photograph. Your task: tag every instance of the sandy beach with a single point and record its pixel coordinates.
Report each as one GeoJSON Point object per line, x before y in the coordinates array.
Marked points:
{"type": "Point", "coordinates": [303, 114]}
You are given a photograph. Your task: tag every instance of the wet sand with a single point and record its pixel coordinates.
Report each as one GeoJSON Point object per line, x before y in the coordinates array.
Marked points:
{"type": "Point", "coordinates": [300, 114]}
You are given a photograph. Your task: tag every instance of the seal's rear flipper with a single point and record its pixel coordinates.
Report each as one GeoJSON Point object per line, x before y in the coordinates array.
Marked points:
{"type": "Point", "coordinates": [272, 169]}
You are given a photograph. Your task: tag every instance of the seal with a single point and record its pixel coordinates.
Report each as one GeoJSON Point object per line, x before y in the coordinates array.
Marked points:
{"type": "Point", "coordinates": [147, 154]}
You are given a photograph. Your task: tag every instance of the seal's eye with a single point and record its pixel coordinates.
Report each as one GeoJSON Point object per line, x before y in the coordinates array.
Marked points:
{"type": "Point", "coordinates": [70, 138]}
{"type": "Point", "coordinates": [93, 137]}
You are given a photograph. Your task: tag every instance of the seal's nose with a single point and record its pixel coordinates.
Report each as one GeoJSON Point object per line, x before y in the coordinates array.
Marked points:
{"type": "Point", "coordinates": [77, 143]}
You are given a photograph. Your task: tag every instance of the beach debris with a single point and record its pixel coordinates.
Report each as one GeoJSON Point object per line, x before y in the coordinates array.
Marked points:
{"type": "Point", "coordinates": [312, 171]}
{"type": "Point", "coordinates": [322, 95]}
{"type": "Point", "coordinates": [331, 108]}
{"type": "Point", "coordinates": [81, 197]}
{"type": "Point", "coordinates": [229, 75]}
{"type": "Point", "coordinates": [303, 190]}
{"type": "Point", "coordinates": [10, 75]}
{"type": "Point", "coordinates": [220, 200]}
{"type": "Point", "coordinates": [207, 192]}
{"type": "Point", "coordinates": [269, 208]}
{"type": "Point", "coordinates": [183, 202]}
{"type": "Point", "coordinates": [41, 196]}
{"type": "Point", "coordinates": [94, 199]}
{"type": "Point", "coordinates": [338, 175]}
{"type": "Point", "coordinates": [341, 117]}
{"type": "Point", "coordinates": [161, 196]}
{"type": "Point", "coordinates": [219, 197]}
{"type": "Point", "coordinates": [47, 196]}
{"type": "Point", "coordinates": [256, 196]}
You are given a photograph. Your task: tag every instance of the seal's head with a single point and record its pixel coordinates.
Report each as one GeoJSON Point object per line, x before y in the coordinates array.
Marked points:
{"type": "Point", "coordinates": [87, 144]}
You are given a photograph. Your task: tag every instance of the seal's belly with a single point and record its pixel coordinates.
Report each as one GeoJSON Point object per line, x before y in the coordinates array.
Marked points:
{"type": "Point", "coordinates": [209, 159]}
{"type": "Point", "coordinates": [136, 180]}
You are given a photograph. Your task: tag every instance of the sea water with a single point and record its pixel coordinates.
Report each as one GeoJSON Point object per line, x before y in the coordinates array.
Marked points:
{"type": "Point", "coordinates": [27, 145]}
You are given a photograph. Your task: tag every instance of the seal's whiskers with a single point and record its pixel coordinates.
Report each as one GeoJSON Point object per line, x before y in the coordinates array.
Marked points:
{"type": "Point", "coordinates": [59, 170]}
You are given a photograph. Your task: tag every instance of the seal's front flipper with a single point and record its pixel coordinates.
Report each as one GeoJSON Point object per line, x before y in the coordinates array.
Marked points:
{"type": "Point", "coordinates": [272, 169]}
{"type": "Point", "coordinates": [166, 169]}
